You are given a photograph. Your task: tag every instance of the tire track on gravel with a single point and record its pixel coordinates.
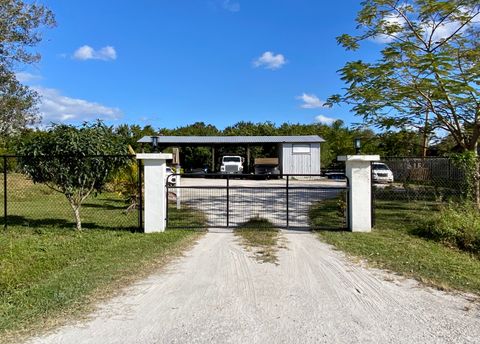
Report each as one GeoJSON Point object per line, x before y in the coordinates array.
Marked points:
{"type": "Point", "coordinates": [218, 293]}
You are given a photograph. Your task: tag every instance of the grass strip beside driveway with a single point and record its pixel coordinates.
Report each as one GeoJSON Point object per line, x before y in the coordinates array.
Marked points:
{"type": "Point", "coordinates": [50, 274]}
{"type": "Point", "coordinates": [393, 245]}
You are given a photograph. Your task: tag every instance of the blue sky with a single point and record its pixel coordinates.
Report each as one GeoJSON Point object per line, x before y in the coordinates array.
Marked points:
{"type": "Point", "coordinates": [171, 63]}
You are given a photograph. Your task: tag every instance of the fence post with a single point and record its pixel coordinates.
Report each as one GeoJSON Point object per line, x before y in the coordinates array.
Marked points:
{"type": "Point", "coordinates": [5, 207]}
{"type": "Point", "coordinates": [287, 200]}
{"type": "Point", "coordinates": [140, 196]}
{"type": "Point", "coordinates": [228, 201]}
{"type": "Point", "coordinates": [372, 195]}
{"type": "Point", "coordinates": [167, 192]}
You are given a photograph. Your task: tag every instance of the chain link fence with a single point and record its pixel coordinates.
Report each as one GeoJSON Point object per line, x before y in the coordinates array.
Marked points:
{"type": "Point", "coordinates": [38, 205]}
{"type": "Point", "coordinates": [419, 185]}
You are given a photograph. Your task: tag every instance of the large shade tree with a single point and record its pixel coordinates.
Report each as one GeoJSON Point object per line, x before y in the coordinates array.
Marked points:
{"type": "Point", "coordinates": [75, 161]}
{"type": "Point", "coordinates": [428, 73]}
{"type": "Point", "coordinates": [18, 105]}
{"type": "Point", "coordinates": [20, 30]}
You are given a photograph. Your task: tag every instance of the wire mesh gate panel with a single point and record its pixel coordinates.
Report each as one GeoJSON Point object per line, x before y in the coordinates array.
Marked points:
{"type": "Point", "coordinates": [294, 201]}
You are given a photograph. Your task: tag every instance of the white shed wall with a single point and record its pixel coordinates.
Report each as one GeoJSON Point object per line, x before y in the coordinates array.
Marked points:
{"type": "Point", "coordinates": [300, 163]}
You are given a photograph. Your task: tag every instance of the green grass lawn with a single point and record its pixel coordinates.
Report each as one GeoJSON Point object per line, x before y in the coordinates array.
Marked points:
{"type": "Point", "coordinates": [36, 205]}
{"type": "Point", "coordinates": [260, 235]}
{"type": "Point", "coordinates": [329, 214]}
{"type": "Point", "coordinates": [50, 272]}
{"type": "Point", "coordinates": [177, 218]}
{"type": "Point", "coordinates": [393, 245]}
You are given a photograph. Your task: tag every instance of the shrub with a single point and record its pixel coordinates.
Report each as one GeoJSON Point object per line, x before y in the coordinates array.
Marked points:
{"type": "Point", "coordinates": [455, 225]}
{"type": "Point", "coordinates": [69, 160]}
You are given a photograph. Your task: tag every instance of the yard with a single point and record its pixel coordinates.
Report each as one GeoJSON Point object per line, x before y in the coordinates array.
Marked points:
{"type": "Point", "coordinates": [49, 272]}
{"type": "Point", "coordinates": [393, 245]}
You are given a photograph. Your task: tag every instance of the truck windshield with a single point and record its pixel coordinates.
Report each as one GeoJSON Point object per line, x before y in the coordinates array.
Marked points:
{"type": "Point", "coordinates": [380, 167]}
{"type": "Point", "coordinates": [231, 159]}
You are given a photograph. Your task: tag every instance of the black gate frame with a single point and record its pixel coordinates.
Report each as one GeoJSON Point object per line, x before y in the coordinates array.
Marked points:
{"type": "Point", "coordinates": [170, 185]}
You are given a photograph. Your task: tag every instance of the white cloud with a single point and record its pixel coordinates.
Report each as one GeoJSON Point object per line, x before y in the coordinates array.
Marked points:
{"type": "Point", "coordinates": [269, 60]}
{"type": "Point", "coordinates": [310, 101]}
{"type": "Point", "coordinates": [55, 107]}
{"type": "Point", "coordinates": [324, 119]}
{"type": "Point", "coordinates": [25, 77]}
{"type": "Point", "coordinates": [86, 52]}
{"type": "Point", "coordinates": [230, 5]}
{"type": "Point", "coordinates": [443, 31]}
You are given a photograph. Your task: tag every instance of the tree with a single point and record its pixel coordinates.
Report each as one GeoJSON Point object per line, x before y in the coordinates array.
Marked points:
{"type": "Point", "coordinates": [18, 105]}
{"type": "Point", "coordinates": [19, 32]}
{"type": "Point", "coordinates": [399, 143]}
{"type": "Point", "coordinates": [428, 75]}
{"type": "Point", "coordinates": [194, 156]}
{"type": "Point", "coordinates": [132, 133]}
{"type": "Point", "coordinates": [71, 160]}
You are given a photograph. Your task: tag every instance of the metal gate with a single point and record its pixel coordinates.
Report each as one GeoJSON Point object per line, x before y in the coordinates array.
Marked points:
{"type": "Point", "coordinates": [230, 200]}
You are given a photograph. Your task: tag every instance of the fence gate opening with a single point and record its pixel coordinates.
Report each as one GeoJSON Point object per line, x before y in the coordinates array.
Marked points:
{"type": "Point", "coordinates": [230, 200]}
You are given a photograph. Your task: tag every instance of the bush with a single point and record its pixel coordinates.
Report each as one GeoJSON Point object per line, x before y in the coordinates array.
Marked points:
{"type": "Point", "coordinates": [455, 225]}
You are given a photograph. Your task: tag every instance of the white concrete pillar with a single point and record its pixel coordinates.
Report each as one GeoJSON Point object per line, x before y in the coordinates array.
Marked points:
{"type": "Point", "coordinates": [155, 199]}
{"type": "Point", "coordinates": [358, 171]}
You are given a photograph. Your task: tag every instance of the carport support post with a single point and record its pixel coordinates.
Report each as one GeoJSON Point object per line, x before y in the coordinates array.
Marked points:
{"type": "Point", "coordinates": [358, 171]}
{"type": "Point", "coordinates": [213, 159]}
{"type": "Point", "coordinates": [248, 158]}
{"type": "Point", "coordinates": [155, 190]}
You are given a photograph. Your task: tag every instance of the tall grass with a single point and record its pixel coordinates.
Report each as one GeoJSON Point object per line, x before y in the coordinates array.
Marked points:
{"type": "Point", "coordinates": [455, 225]}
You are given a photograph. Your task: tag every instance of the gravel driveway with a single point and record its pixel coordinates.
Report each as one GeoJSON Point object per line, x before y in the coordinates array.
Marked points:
{"type": "Point", "coordinates": [218, 294]}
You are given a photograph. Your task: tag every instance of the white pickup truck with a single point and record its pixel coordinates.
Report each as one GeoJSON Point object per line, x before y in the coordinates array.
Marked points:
{"type": "Point", "coordinates": [232, 164]}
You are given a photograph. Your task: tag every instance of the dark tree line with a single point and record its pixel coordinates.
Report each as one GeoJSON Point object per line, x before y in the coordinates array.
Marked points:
{"type": "Point", "coordinates": [339, 140]}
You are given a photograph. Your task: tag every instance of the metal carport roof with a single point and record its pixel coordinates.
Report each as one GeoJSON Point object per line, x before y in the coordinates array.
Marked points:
{"type": "Point", "coordinates": [224, 140]}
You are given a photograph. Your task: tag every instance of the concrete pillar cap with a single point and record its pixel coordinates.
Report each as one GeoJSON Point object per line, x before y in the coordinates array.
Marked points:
{"type": "Point", "coordinates": [154, 156]}
{"type": "Point", "coordinates": [358, 158]}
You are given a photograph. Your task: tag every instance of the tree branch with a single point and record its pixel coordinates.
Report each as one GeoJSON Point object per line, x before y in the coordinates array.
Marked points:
{"type": "Point", "coordinates": [455, 32]}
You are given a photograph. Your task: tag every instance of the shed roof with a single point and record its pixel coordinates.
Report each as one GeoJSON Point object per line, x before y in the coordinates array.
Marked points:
{"type": "Point", "coordinates": [212, 140]}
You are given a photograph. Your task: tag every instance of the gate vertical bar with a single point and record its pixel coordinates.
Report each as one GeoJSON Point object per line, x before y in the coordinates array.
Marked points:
{"type": "Point", "coordinates": [228, 201]}
{"type": "Point", "coordinates": [140, 196]}
{"type": "Point", "coordinates": [5, 208]}
{"type": "Point", "coordinates": [372, 195]}
{"type": "Point", "coordinates": [166, 201]}
{"type": "Point", "coordinates": [287, 200]}
{"type": "Point", "coordinates": [348, 204]}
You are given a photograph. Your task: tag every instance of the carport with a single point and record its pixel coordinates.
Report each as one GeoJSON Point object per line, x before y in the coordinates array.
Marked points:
{"type": "Point", "coordinates": [296, 154]}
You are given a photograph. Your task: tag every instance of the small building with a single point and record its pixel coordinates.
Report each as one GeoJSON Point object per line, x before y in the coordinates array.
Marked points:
{"type": "Point", "coordinates": [297, 154]}
{"type": "Point", "coordinates": [300, 158]}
